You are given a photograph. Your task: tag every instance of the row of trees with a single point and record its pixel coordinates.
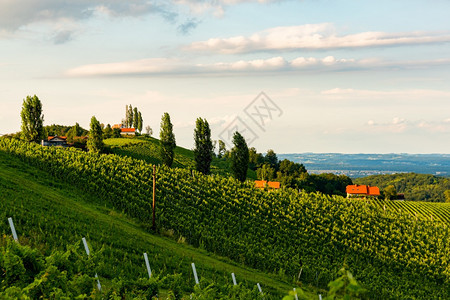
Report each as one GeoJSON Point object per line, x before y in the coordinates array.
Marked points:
{"type": "Point", "coordinates": [133, 118]}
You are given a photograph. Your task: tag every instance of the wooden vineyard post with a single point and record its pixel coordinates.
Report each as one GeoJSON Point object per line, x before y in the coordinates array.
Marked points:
{"type": "Point", "coordinates": [154, 198]}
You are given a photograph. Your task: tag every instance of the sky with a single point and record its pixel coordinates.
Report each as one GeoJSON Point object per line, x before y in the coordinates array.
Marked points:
{"type": "Point", "coordinates": [292, 76]}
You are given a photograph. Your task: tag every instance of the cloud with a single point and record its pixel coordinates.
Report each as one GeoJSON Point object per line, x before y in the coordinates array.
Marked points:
{"type": "Point", "coordinates": [400, 125]}
{"type": "Point", "coordinates": [216, 7]}
{"type": "Point", "coordinates": [16, 14]}
{"type": "Point", "coordinates": [188, 26]}
{"type": "Point", "coordinates": [161, 66]}
{"type": "Point", "coordinates": [313, 36]}
{"type": "Point", "coordinates": [63, 36]}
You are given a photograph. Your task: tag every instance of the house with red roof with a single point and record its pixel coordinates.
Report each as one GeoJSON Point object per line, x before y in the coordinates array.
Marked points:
{"type": "Point", "coordinates": [55, 141]}
{"type": "Point", "coordinates": [271, 185]}
{"type": "Point", "coordinates": [128, 131]}
{"type": "Point", "coordinates": [362, 191]}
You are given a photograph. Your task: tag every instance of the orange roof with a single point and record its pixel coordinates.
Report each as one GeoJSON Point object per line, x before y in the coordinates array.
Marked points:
{"type": "Point", "coordinates": [127, 130]}
{"type": "Point", "coordinates": [363, 190]}
{"type": "Point", "coordinates": [271, 184]}
{"type": "Point", "coordinates": [60, 137]}
{"type": "Point", "coordinates": [116, 126]}
{"type": "Point", "coordinates": [260, 183]}
{"type": "Point", "coordinates": [374, 191]}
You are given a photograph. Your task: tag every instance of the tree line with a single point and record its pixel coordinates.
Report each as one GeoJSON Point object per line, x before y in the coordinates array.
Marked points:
{"type": "Point", "coordinates": [241, 157]}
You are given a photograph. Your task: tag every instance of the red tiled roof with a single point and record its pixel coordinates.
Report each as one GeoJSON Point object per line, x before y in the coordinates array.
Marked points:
{"type": "Point", "coordinates": [271, 184]}
{"type": "Point", "coordinates": [363, 190]}
{"type": "Point", "coordinates": [127, 129]}
{"type": "Point", "coordinates": [60, 137]}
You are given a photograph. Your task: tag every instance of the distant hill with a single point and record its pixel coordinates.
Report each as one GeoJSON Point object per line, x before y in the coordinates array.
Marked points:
{"type": "Point", "coordinates": [416, 187]}
{"type": "Point", "coordinates": [359, 165]}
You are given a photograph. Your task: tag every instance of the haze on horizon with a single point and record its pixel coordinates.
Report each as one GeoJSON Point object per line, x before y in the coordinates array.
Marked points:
{"type": "Point", "coordinates": [345, 77]}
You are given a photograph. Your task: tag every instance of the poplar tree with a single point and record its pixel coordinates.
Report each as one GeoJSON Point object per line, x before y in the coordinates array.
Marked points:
{"type": "Point", "coordinates": [135, 118]}
{"type": "Point", "coordinates": [203, 151]}
{"type": "Point", "coordinates": [167, 140]}
{"type": "Point", "coordinates": [239, 157]}
{"type": "Point", "coordinates": [95, 141]}
{"type": "Point", "coordinates": [32, 119]}
{"type": "Point", "coordinates": [140, 122]}
{"type": "Point", "coordinates": [130, 117]}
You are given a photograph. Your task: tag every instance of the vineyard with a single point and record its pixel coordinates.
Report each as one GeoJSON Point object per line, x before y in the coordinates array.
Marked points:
{"type": "Point", "coordinates": [51, 217]}
{"type": "Point", "coordinates": [427, 211]}
{"type": "Point", "coordinates": [299, 236]}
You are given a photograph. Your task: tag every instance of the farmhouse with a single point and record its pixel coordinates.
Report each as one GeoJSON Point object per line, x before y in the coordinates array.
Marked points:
{"type": "Point", "coordinates": [55, 141]}
{"type": "Point", "coordinates": [272, 185]}
{"type": "Point", "coordinates": [362, 191]}
{"type": "Point", "coordinates": [128, 131]}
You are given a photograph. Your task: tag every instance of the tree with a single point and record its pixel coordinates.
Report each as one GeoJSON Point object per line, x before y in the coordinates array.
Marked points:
{"type": "Point", "coordinates": [140, 122]}
{"type": "Point", "coordinates": [239, 157]}
{"type": "Point", "coordinates": [32, 119]}
{"type": "Point", "coordinates": [390, 192]}
{"type": "Point", "coordinates": [222, 149]}
{"type": "Point", "coordinates": [203, 151]}
{"type": "Point", "coordinates": [129, 117]}
{"type": "Point", "coordinates": [265, 172]}
{"type": "Point", "coordinates": [272, 159]}
{"type": "Point", "coordinates": [107, 132]}
{"type": "Point", "coordinates": [135, 118]}
{"type": "Point", "coordinates": [167, 140]}
{"type": "Point", "coordinates": [95, 141]}
{"type": "Point", "coordinates": [148, 130]}
{"type": "Point", "coordinates": [116, 133]}
{"type": "Point", "coordinates": [255, 159]}
{"type": "Point", "coordinates": [447, 196]}
{"type": "Point", "coordinates": [76, 130]}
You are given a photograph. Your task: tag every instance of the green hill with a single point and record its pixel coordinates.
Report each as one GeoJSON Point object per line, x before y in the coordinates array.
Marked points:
{"type": "Point", "coordinates": [51, 214]}
{"type": "Point", "coordinates": [306, 236]}
{"type": "Point", "coordinates": [415, 187]}
{"type": "Point", "coordinates": [147, 149]}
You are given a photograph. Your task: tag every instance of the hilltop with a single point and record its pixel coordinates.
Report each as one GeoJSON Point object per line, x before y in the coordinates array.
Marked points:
{"type": "Point", "coordinates": [147, 149]}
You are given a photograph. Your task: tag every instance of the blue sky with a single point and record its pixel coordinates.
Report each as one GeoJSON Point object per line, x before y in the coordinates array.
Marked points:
{"type": "Point", "coordinates": [341, 76]}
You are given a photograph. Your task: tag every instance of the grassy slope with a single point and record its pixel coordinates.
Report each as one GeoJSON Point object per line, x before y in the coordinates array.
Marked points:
{"type": "Point", "coordinates": [51, 214]}
{"type": "Point", "coordinates": [147, 148]}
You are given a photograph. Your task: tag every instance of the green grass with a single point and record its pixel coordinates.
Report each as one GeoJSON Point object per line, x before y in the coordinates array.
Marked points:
{"type": "Point", "coordinates": [147, 149]}
{"type": "Point", "coordinates": [49, 214]}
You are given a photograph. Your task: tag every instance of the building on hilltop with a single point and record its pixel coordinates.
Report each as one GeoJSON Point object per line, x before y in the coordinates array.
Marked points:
{"type": "Point", "coordinates": [362, 191]}
{"type": "Point", "coordinates": [271, 185]}
{"type": "Point", "coordinates": [128, 131]}
{"type": "Point", "coordinates": [55, 141]}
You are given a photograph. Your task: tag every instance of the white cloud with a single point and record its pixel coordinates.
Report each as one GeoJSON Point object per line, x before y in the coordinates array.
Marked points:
{"type": "Point", "coordinates": [313, 36]}
{"type": "Point", "coordinates": [400, 125]}
{"type": "Point", "coordinates": [340, 93]}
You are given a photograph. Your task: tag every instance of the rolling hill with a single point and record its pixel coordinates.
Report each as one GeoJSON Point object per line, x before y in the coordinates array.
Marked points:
{"type": "Point", "coordinates": [296, 235]}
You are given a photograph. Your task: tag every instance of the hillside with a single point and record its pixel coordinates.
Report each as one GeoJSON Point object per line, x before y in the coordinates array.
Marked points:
{"type": "Point", "coordinates": [147, 149]}
{"type": "Point", "coordinates": [306, 236]}
{"type": "Point", "coordinates": [416, 187]}
{"type": "Point", "coordinates": [51, 214]}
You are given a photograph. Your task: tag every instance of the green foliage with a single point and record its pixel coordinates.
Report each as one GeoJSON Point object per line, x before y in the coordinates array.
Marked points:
{"type": "Point", "coordinates": [95, 141]}
{"type": "Point", "coordinates": [32, 119]}
{"type": "Point", "coordinates": [203, 151]}
{"type": "Point", "coordinates": [271, 159]}
{"type": "Point", "coordinates": [129, 118]}
{"type": "Point", "coordinates": [107, 132]}
{"type": "Point", "coordinates": [140, 122]}
{"type": "Point", "coordinates": [239, 157]}
{"type": "Point", "coordinates": [447, 196]}
{"type": "Point", "coordinates": [415, 187]}
{"type": "Point", "coordinates": [222, 149]}
{"type": "Point", "coordinates": [265, 172]}
{"type": "Point", "coordinates": [389, 192]}
{"type": "Point", "coordinates": [28, 273]}
{"type": "Point", "coordinates": [394, 254]}
{"type": "Point", "coordinates": [135, 118]}
{"type": "Point", "coordinates": [116, 133]}
{"type": "Point", "coordinates": [167, 140]}
{"type": "Point", "coordinates": [255, 159]}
